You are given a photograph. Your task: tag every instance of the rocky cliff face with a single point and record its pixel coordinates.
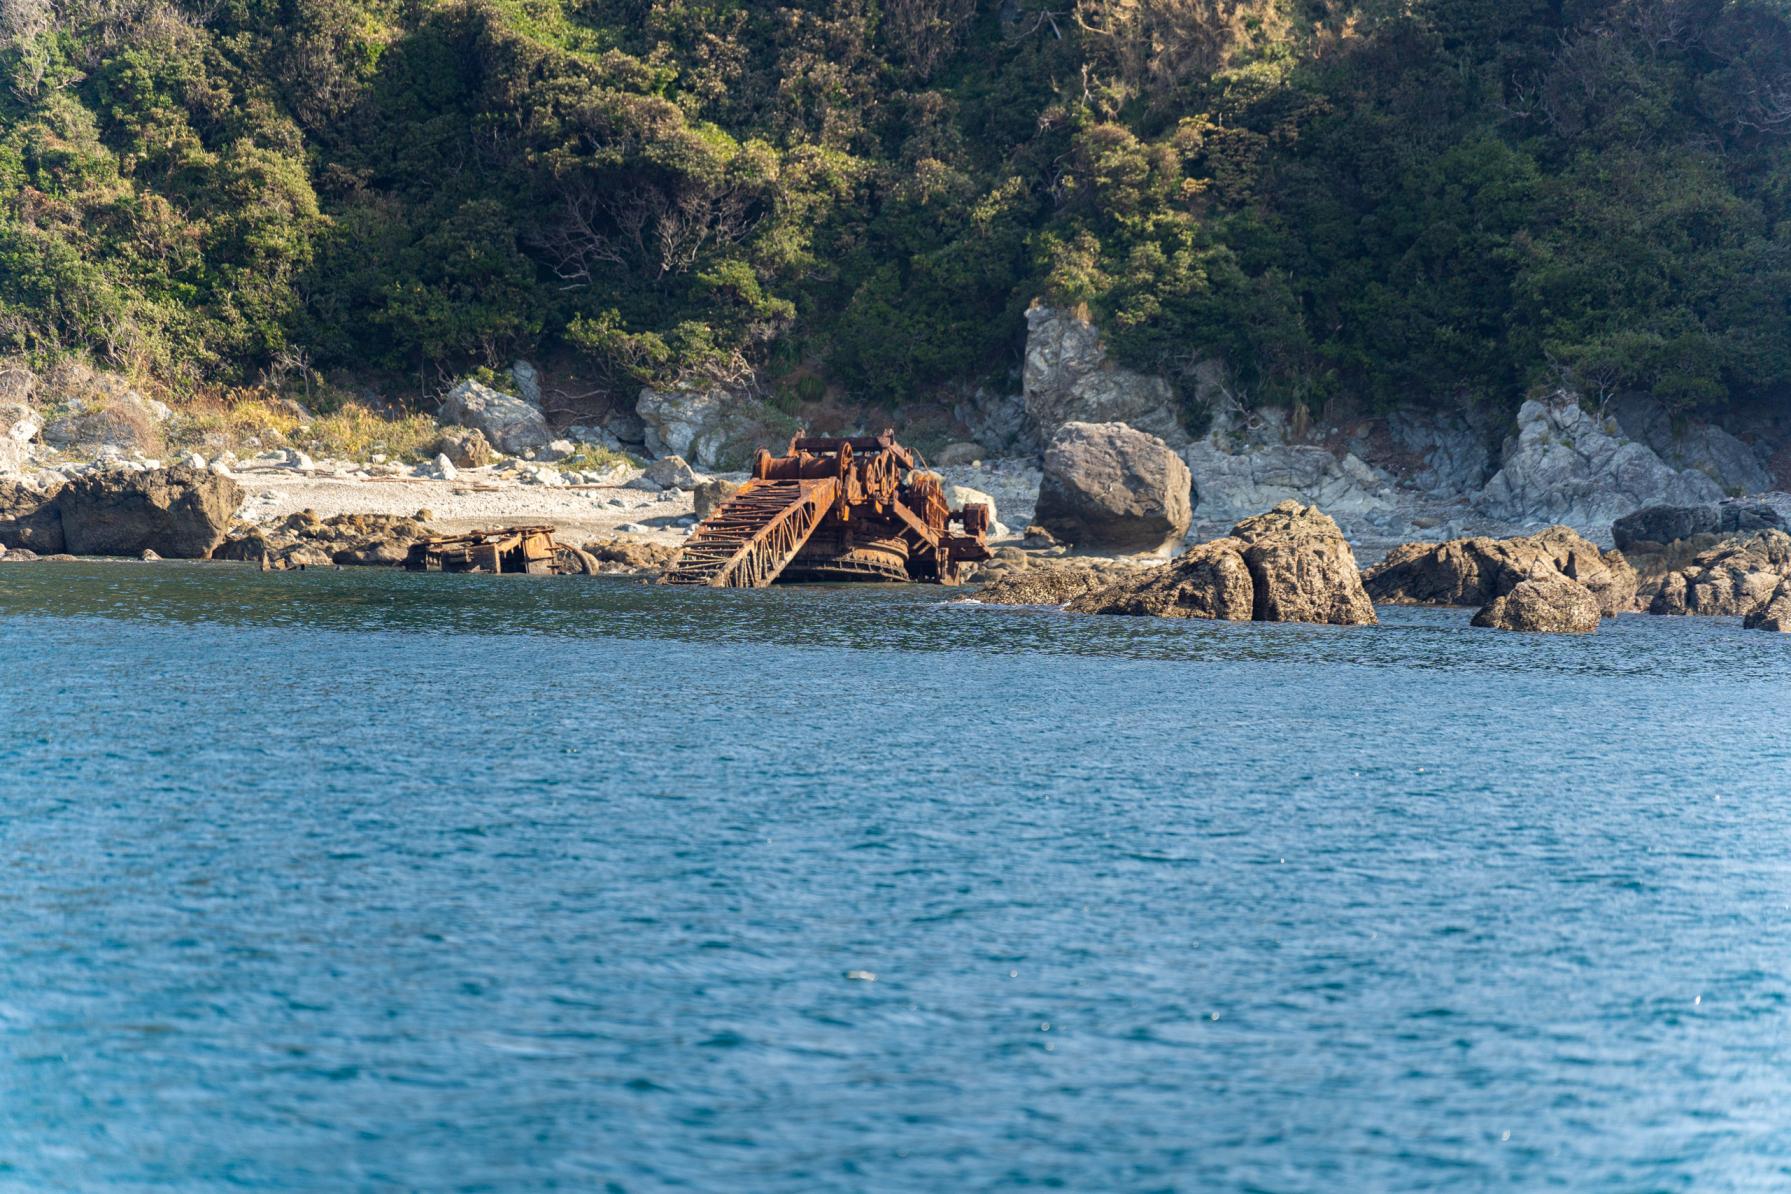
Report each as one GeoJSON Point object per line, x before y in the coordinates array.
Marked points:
{"type": "Point", "coordinates": [1067, 378]}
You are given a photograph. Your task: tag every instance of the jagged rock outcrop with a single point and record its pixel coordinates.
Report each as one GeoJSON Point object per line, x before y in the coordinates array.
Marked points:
{"type": "Point", "coordinates": [713, 429]}
{"type": "Point", "coordinates": [1476, 571]}
{"type": "Point", "coordinates": [1108, 486]}
{"type": "Point", "coordinates": [179, 513]}
{"type": "Point", "coordinates": [1775, 614]}
{"type": "Point", "coordinates": [508, 423]}
{"type": "Point", "coordinates": [1291, 564]}
{"type": "Point", "coordinates": [1656, 528]}
{"type": "Point", "coordinates": [1303, 569]}
{"type": "Point", "coordinates": [305, 540]}
{"type": "Point", "coordinates": [1067, 378]}
{"type": "Point", "coordinates": [1210, 580]}
{"type": "Point", "coordinates": [1547, 602]}
{"type": "Point", "coordinates": [1565, 466]}
{"type": "Point", "coordinates": [1732, 463]}
{"type": "Point", "coordinates": [30, 519]}
{"type": "Point", "coordinates": [19, 425]}
{"type": "Point", "coordinates": [1733, 580]}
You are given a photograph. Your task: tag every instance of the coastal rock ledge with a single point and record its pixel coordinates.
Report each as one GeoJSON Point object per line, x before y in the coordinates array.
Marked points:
{"type": "Point", "coordinates": [1477, 571]}
{"type": "Point", "coordinates": [1291, 564]}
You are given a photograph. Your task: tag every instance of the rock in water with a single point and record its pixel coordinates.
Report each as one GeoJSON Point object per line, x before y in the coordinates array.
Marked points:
{"type": "Point", "coordinates": [1549, 603]}
{"type": "Point", "coordinates": [181, 513]}
{"type": "Point", "coordinates": [711, 495]}
{"type": "Point", "coordinates": [510, 424]}
{"type": "Point", "coordinates": [1108, 486]}
{"type": "Point", "coordinates": [1775, 614]}
{"type": "Point", "coordinates": [1047, 582]}
{"type": "Point", "coordinates": [30, 519]}
{"type": "Point", "coordinates": [1474, 571]}
{"type": "Point", "coordinates": [1735, 580]}
{"type": "Point", "coordinates": [1209, 580]}
{"type": "Point", "coordinates": [1303, 568]}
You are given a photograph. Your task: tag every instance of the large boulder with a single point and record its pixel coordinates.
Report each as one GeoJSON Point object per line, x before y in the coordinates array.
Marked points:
{"type": "Point", "coordinates": [1475, 571]}
{"type": "Point", "coordinates": [1108, 486]}
{"type": "Point", "coordinates": [1565, 466]}
{"type": "Point", "coordinates": [713, 428]}
{"type": "Point", "coordinates": [1733, 580]}
{"type": "Point", "coordinates": [1547, 603]}
{"type": "Point", "coordinates": [1776, 613]}
{"type": "Point", "coordinates": [1655, 528]}
{"type": "Point", "coordinates": [709, 496]}
{"type": "Point", "coordinates": [30, 519]}
{"type": "Point", "coordinates": [1302, 568]}
{"type": "Point", "coordinates": [1210, 580]}
{"type": "Point", "coordinates": [1067, 378]}
{"type": "Point", "coordinates": [179, 513]}
{"type": "Point", "coordinates": [509, 424]}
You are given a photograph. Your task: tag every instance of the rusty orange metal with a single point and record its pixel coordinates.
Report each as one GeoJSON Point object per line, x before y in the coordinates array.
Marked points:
{"type": "Point", "coordinates": [834, 509]}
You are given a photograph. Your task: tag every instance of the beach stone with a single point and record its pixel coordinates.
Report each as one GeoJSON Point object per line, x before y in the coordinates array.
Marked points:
{"type": "Point", "coordinates": [710, 495]}
{"type": "Point", "coordinates": [181, 513]}
{"type": "Point", "coordinates": [671, 472]}
{"type": "Point", "coordinates": [508, 423]}
{"type": "Point", "coordinates": [1547, 603]}
{"type": "Point", "coordinates": [1210, 580]}
{"type": "Point", "coordinates": [1302, 568]}
{"type": "Point", "coordinates": [1775, 614]}
{"type": "Point", "coordinates": [1111, 486]}
{"type": "Point", "coordinates": [445, 469]}
{"type": "Point", "coordinates": [1474, 571]}
{"type": "Point", "coordinates": [465, 447]}
{"type": "Point", "coordinates": [1732, 580]}
{"type": "Point", "coordinates": [30, 518]}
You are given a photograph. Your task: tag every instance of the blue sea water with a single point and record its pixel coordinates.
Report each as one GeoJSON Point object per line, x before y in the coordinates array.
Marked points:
{"type": "Point", "coordinates": [367, 881]}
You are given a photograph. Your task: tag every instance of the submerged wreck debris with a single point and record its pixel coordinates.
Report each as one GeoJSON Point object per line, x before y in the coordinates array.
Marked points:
{"type": "Point", "coordinates": [506, 549]}
{"type": "Point", "coordinates": [851, 509]}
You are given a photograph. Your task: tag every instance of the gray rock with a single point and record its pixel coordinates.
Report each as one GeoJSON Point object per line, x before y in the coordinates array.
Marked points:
{"type": "Point", "coordinates": [716, 429]}
{"type": "Point", "coordinates": [1658, 526]}
{"type": "Point", "coordinates": [528, 382]}
{"type": "Point", "coordinates": [1111, 486]}
{"type": "Point", "coordinates": [1067, 378]}
{"type": "Point", "coordinates": [1246, 462]}
{"type": "Point", "coordinates": [1734, 465]}
{"type": "Point", "coordinates": [466, 447]}
{"type": "Point", "coordinates": [445, 469]}
{"type": "Point", "coordinates": [1775, 615]}
{"type": "Point", "coordinates": [1564, 466]}
{"type": "Point", "coordinates": [998, 420]}
{"type": "Point", "coordinates": [508, 423]}
{"type": "Point", "coordinates": [1455, 448]}
{"type": "Point", "coordinates": [669, 472]}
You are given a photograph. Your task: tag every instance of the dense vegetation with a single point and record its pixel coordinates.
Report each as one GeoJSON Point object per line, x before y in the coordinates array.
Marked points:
{"type": "Point", "coordinates": [1365, 201]}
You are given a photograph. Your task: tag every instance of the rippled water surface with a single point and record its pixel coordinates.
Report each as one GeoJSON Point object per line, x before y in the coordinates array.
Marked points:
{"type": "Point", "coordinates": [362, 880]}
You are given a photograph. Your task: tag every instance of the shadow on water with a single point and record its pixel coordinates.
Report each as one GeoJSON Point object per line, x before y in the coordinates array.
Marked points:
{"type": "Point", "coordinates": [856, 617]}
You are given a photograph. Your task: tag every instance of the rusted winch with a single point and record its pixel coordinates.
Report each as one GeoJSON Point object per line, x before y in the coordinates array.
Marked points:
{"type": "Point", "coordinates": [831, 509]}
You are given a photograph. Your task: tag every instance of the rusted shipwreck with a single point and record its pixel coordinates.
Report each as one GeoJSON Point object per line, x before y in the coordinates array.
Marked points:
{"type": "Point", "coordinates": [507, 549]}
{"type": "Point", "coordinates": [833, 509]}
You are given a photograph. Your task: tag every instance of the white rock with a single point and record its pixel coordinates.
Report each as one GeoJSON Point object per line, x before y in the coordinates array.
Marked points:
{"type": "Point", "coordinates": [959, 496]}
{"type": "Point", "coordinates": [445, 468]}
{"type": "Point", "coordinates": [193, 460]}
{"type": "Point", "coordinates": [715, 428]}
{"type": "Point", "coordinates": [528, 382]}
{"type": "Point", "coordinates": [1067, 378]}
{"type": "Point", "coordinates": [631, 528]}
{"type": "Point", "coordinates": [512, 425]}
